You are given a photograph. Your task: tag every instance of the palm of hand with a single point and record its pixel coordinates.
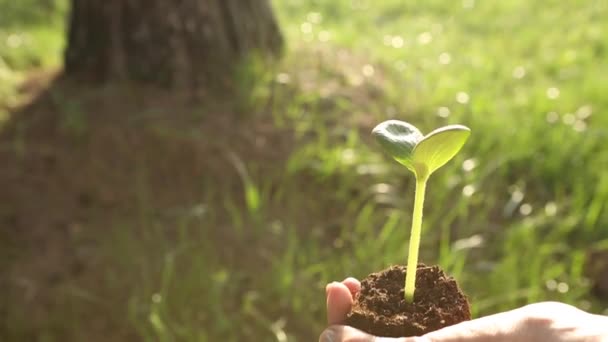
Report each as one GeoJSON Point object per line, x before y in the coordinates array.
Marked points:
{"type": "Point", "coordinates": [548, 321]}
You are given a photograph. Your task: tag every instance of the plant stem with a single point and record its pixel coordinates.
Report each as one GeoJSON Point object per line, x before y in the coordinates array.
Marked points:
{"type": "Point", "coordinates": [412, 260]}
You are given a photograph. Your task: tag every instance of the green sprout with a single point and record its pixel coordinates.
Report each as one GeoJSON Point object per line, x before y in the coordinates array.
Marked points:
{"type": "Point", "coordinates": [421, 154]}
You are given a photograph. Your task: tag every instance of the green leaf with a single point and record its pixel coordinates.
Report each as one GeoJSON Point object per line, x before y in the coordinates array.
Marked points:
{"type": "Point", "coordinates": [420, 154]}
{"type": "Point", "coordinates": [438, 147]}
{"type": "Point", "coordinates": [398, 139]}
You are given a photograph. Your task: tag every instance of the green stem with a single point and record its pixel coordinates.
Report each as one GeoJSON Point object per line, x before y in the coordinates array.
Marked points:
{"type": "Point", "coordinates": [412, 260]}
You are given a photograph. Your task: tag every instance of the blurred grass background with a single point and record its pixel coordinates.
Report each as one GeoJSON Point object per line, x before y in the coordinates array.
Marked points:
{"type": "Point", "coordinates": [513, 217]}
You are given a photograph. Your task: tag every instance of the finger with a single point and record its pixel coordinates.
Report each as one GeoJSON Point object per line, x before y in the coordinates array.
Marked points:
{"type": "Point", "coordinates": [339, 302]}
{"type": "Point", "coordinates": [353, 285]}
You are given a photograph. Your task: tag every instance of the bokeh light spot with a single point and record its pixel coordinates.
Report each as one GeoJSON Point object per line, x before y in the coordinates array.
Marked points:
{"type": "Point", "coordinates": [519, 72]}
{"type": "Point", "coordinates": [324, 36]}
{"type": "Point", "coordinates": [283, 78]}
{"type": "Point", "coordinates": [552, 117]}
{"type": "Point", "coordinates": [525, 209]}
{"type": "Point", "coordinates": [580, 126]}
{"type": "Point", "coordinates": [443, 112]}
{"type": "Point", "coordinates": [468, 190]}
{"type": "Point", "coordinates": [425, 38]}
{"type": "Point", "coordinates": [397, 42]}
{"type": "Point", "coordinates": [469, 164]}
{"type": "Point", "coordinates": [314, 17]}
{"type": "Point", "coordinates": [306, 27]}
{"type": "Point", "coordinates": [569, 119]}
{"type": "Point", "coordinates": [462, 97]}
{"type": "Point", "coordinates": [584, 112]}
{"type": "Point", "coordinates": [445, 58]}
{"type": "Point", "coordinates": [553, 93]}
{"type": "Point", "coordinates": [368, 70]}
{"type": "Point", "coordinates": [563, 287]}
{"type": "Point", "coordinates": [468, 4]}
{"type": "Point", "coordinates": [550, 209]}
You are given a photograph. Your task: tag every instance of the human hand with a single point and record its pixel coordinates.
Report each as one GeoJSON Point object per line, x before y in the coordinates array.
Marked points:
{"type": "Point", "coordinates": [547, 321]}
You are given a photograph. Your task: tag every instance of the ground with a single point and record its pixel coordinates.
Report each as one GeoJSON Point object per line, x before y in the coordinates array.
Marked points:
{"type": "Point", "coordinates": [75, 162]}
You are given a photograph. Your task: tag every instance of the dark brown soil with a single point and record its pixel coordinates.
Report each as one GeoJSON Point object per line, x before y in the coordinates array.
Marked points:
{"type": "Point", "coordinates": [381, 310]}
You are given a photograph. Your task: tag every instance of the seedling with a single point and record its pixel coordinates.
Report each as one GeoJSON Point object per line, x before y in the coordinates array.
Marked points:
{"type": "Point", "coordinates": [423, 155]}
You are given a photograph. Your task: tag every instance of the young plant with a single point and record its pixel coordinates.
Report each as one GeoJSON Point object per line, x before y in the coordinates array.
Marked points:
{"type": "Point", "coordinates": [423, 155]}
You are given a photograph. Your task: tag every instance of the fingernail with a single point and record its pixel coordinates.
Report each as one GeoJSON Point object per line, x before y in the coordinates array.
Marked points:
{"type": "Point", "coordinates": [328, 335]}
{"type": "Point", "coordinates": [327, 287]}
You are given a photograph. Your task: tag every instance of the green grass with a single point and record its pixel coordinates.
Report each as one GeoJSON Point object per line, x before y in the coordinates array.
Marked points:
{"type": "Point", "coordinates": [527, 77]}
{"type": "Point", "coordinates": [31, 38]}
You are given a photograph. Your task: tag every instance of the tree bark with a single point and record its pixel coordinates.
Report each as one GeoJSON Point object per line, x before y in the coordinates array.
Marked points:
{"type": "Point", "coordinates": [178, 43]}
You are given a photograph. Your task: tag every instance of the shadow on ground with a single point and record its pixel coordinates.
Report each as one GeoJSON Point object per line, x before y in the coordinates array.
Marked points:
{"type": "Point", "coordinates": [77, 163]}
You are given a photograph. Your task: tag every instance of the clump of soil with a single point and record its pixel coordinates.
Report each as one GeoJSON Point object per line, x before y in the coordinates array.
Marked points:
{"type": "Point", "coordinates": [381, 310]}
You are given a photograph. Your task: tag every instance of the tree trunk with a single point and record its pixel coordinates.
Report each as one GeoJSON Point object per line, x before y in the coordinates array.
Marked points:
{"type": "Point", "coordinates": [179, 43]}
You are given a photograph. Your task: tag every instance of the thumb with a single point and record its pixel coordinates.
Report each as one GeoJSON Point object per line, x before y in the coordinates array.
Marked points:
{"type": "Point", "coordinates": [339, 302]}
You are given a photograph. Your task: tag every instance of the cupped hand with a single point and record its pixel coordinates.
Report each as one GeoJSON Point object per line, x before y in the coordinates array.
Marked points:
{"type": "Point", "coordinates": [547, 321]}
